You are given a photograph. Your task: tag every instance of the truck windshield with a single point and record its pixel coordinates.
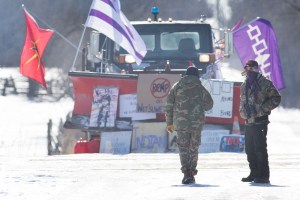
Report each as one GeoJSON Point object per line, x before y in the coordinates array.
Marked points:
{"type": "Point", "coordinates": [175, 41]}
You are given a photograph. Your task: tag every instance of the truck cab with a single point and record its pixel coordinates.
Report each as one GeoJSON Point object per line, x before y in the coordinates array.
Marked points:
{"type": "Point", "coordinates": [171, 47]}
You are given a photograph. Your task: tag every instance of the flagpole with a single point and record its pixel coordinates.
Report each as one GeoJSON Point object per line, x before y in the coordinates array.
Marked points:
{"type": "Point", "coordinates": [83, 32]}
{"type": "Point", "coordinates": [72, 69]}
{"type": "Point", "coordinates": [58, 33]}
{"type": "Point", "coordinates": [247, 24]}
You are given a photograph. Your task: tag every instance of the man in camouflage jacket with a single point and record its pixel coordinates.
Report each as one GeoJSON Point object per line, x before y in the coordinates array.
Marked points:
{"type": "Point", "coordinates": [258, 98]}
{"type": "Point", "coordinates": [186, 105]}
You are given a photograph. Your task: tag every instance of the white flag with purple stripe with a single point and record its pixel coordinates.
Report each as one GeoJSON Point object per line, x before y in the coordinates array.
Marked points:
{"type": "Point", "coordinates": [106, 17]}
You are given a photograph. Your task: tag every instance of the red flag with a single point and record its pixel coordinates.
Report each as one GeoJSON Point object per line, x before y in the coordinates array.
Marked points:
{"type": "Point", "coordinates": [31, 64]}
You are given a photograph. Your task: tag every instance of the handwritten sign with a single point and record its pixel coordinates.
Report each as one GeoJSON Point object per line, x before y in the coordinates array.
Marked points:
{"type": "Point", "coordinates": [149, 137]}
{"type": "Point", "coordinates": [153, 90]}
{"type": "Point", "coordinates": [211, 139]}
{"type": "Point", "coordinates": [128, 108]}
{"type": "Point", "coordinates": [104, 106]}
{"type": "Point", "coordinates": [222, 94]}
{"type": "Point", "coordinates": [115, 142]}
{"type": "Point", "coordinates": [160, 87]}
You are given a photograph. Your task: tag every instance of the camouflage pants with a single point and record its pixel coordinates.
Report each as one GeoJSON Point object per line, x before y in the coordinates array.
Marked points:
{"type": "Point", "coordinates": [188, 142]}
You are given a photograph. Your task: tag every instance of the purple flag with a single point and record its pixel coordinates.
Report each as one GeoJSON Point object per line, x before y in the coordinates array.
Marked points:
{"type": "Point", "coordinates": [257, 41]}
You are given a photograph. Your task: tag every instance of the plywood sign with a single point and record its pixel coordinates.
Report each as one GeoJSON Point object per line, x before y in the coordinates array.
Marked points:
{"type": "Point", "coordinates": [153, 90]}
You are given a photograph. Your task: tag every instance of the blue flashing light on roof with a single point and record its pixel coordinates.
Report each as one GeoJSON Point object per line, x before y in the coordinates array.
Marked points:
{"type": "Point", "coordinates": [155, 11]}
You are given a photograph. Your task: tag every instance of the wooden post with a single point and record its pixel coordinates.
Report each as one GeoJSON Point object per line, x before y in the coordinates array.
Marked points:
{"type": "Point", "coordinates": [49, 137]}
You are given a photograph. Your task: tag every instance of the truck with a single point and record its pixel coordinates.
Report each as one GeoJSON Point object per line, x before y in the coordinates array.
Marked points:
{"type": "Point", "coordinates": [112, 93]}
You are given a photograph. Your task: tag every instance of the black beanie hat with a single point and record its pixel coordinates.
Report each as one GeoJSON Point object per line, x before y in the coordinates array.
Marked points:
{"type": "Point", "coordinates": [192, 71]}
{"type": "Point", "coordinates": [251, 63]}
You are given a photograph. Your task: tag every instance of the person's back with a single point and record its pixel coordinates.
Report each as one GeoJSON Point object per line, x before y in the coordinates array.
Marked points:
{"type": "Point", "coordinates": [192, 100]}
{"type": "Point", "coordinates": [185, 112]}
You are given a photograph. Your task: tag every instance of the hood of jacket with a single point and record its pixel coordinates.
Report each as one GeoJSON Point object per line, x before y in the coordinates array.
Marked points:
{"type": "Point", "coordinates": [189, 81]}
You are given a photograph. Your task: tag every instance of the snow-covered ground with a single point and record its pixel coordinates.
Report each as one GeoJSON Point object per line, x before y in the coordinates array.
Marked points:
{"type": "Point", "coordinates": [26, 172]}
{"type": "Point", "coordinates": [23, 124]}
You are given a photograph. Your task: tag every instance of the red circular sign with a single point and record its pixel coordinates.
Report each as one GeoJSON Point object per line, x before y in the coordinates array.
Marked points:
{"type": "Point", "coordinates": [160, 87]}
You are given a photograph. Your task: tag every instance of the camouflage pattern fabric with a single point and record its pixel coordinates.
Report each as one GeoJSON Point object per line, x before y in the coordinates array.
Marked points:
{"type": "Point", "coordinates": [266, 100]}
{"type": "Point", "coordinates": [188, 142]}
{"type": "Point", "coordinates": [185, 109]}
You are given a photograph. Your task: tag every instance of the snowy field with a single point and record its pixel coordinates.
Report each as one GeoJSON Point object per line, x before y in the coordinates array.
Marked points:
{"type": "Point", "coordinates": [27, 173]}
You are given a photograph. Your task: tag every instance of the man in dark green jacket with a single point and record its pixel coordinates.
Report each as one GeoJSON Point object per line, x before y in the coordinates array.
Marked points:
{"type": "Point", "coordinates": [258, 98]}
{"type": "Point", "coordinates": [185, 112]}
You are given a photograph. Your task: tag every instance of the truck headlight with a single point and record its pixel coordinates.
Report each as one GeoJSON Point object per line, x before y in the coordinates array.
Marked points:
{"type": "Point", "coordinates": [129, 59]}
{"type": "Point", "coordinates": [126, 58]}
{"type": "Point", "coordinates": [209, 57]}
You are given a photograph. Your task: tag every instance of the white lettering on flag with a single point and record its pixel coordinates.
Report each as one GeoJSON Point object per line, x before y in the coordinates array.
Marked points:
{"type": "Point", "coordinates": [259, 47]}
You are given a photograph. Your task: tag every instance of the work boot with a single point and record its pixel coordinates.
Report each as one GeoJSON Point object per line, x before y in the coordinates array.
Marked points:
{"type": "Point", "coordinates": [261, 180]}
{"type": "Point", "coordinates": [188, 178]}
{"type": "Point", "coordinates": [250, 178]}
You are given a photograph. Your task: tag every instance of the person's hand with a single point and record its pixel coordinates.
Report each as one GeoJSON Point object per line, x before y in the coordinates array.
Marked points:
{"type": "Point", "coordinates": [170, 128]}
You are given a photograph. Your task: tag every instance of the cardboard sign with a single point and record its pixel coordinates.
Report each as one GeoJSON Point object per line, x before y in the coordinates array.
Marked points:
{"type": "Point", "coordinates": [211, 139]}
{"type": "Point", "coordinates": [153, 90]}
{"type": "Point", "coordinates": [128, 108]}
{"type": "Point", "coordinates": [149, 137]}
{"type": "Point", "coordinates": [115, 142]}
{"type": "Point", "coordinates": [104, 107]}
{"type": "Point", "coordinates": [222, 94]}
